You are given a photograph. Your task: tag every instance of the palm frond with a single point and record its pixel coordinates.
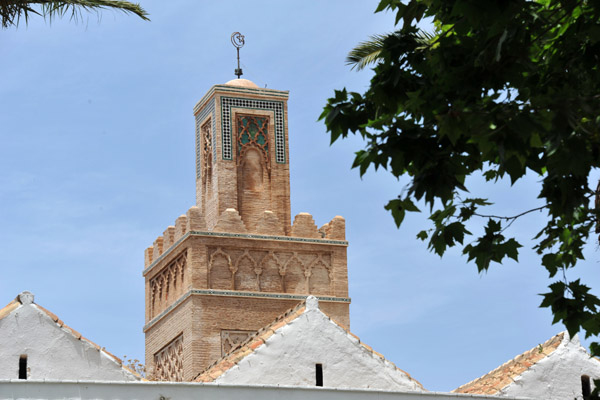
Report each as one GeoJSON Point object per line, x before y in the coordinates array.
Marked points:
{"type": "Point", "coordinates": [426, 39]}
{"type": "Point", "coordinates": [11, 11]}
{"type": "Point", "coordinates": [369, 51]}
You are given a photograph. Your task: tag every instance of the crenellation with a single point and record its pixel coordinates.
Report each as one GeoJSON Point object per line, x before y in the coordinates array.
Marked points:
{"type": "Point", "coordinates": [168, 237]}
{"type": "Point", "coordinates": [180, 227]}
{"type": "Point", "coordinates": [230, 221]}
{"type": "Point", "coordinates": [304, 226]}
{"type": "Point", "coordinates": [158, 248]}
{"type": "Point", "coordinates": [148, 256]}
{"type": "Point", "coordinates": [269, 224]}
{"type": "Point", "coordinates": [195, 220]}
{"type": "Point", "coordinates": [324, 230]}
{"type": "Point", "coordinates": [336, 228]}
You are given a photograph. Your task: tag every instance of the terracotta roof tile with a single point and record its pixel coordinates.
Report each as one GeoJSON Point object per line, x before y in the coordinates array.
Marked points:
{"type": "Point", "coordinates": [84, 339]}
{"type": "Point", "coordinates": [117, 359]}
{"type": "Point", "coordinates": [378, 355]}
{"type": "Point", "coordinates": [366, 346]}
{"type": "Point", "coordinates": [215, 373]}
{"type": "Point", "coordinates": [255, 341]}
{"type": "Point", "coordinates": [49, 313]}
{"type": "Point", "coordinates": [278, 324]}
{"type": "Point", "coordinates": [9, 308]}
{"type": "Point", "coordinates": [73, 331]}
{"type": "Point", "coordinates": [256, 344]}
{"type": "Point", "coordinates": [496, 380]}
{"type": "Point", "coordinates": [249, 345]}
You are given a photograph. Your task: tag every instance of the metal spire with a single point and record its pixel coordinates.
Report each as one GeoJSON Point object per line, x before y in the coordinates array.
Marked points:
{"type": "Point", "coordinates": [237, 39]}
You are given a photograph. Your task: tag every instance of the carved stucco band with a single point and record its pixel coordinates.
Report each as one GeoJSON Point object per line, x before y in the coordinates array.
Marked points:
{"type": "Point", "coordinates": [226, 123]}
{"type": "Point", "coordinates": [233, 293]}
{"type": "Point", "coordinates": [243, 236]}
{"type": "Point", "coordinates": [168, 284]}
{"type": "Point", "coordinates": [168, 362]}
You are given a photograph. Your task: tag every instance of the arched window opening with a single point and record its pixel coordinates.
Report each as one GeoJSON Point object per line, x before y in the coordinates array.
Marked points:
{"type": "Point", "coordinates": [319, 374]}
{"type": "Point", "coordinates": [23, 367]}
{"type": "Point", "coordinates": [586, 388]}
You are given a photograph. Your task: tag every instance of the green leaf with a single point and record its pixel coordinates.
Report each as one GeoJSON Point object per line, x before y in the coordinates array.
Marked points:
{"type": "Point", "coordinates": [595, 352]}
{"type": "Point", "coordinates": [398, 208]}
{"type": "Point", "coordinates": [499, 89]}
{"type": "Point", "coordinates": [491, 247]}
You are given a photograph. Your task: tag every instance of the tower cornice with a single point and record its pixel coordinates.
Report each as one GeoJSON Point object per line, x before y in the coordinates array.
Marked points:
{"type": "Point", "coordinates": [263, 92]}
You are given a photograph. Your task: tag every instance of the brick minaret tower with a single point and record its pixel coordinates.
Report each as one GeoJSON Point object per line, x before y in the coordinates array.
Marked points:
{"type": "Point", "coordinates": [235, 261]}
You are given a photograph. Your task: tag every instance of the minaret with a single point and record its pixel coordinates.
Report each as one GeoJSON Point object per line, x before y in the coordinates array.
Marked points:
{"type": "Point", "coordinates": [242, 154]}
{"type": "Point", "coordinates": [235, 261]}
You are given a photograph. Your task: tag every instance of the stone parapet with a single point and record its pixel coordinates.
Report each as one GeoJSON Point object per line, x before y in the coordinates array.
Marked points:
{"type": "Point", "coordinates": [259, 263]}
{"type": "Point", "coordinates": [231, 222]}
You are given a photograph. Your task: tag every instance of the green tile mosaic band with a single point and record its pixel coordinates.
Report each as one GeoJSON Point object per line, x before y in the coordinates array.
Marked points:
{"type": "Point", "coordinates": [226, 123]}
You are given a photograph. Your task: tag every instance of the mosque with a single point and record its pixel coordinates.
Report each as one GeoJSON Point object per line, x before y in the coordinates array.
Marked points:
{"type": "Point", "coordinates": [241, 297]}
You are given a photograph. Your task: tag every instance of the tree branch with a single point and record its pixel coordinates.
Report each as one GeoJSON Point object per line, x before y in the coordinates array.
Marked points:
{"type": "Point", "coordinates": [514, 216]}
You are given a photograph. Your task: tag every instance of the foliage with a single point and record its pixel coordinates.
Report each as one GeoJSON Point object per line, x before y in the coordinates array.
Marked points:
{"type": "Point", "coordinates": [135, 365]}
{"type": "Point", "coordinates": [502, 88]}
{"type": "Point", "coordinates": [11, 11]}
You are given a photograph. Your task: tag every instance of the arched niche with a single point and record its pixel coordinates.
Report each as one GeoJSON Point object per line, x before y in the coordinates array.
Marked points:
{"type": "Point", "coordinates": [220, 271]}
{"type": "Point", "coordinates": [270, 279]}
{"type": "Point", "coordinates": [319, 278]}
{"type": "Point", "coordinates": [294, 278]}
{"type": "Point", "coordinates": [245, 275]}
{"type": "Point", "coordinates": [253, 167]}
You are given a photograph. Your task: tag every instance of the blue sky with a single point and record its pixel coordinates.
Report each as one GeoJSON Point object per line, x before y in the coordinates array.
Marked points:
{"type": "Point", "coordinates": [97, 159]}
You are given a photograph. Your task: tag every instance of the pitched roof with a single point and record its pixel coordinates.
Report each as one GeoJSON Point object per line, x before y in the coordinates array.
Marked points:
{"type": "Point", "coordinates": [9, 308]}
{"type": "Point", "coordinates": [18, 302]}
{"type": "Point", "coordinates": [249, 346]}
{"type": "Point", "coordinates": [496, 380]}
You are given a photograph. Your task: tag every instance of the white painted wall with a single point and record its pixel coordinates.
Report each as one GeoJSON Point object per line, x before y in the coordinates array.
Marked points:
{"type": "Point", "coordinates": [52, 352]}
{"type": "Point", "coordinates": [289, 356]}
{"type": "Point", "coordinates": [28, 390]}
{"type": "Point", "coordinates": [558, 376]}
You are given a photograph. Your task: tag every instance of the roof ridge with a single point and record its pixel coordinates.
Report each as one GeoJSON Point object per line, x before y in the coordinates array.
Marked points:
{"type": "Point", "coordinates": [374, 352]}
{"type": "Point", "coordinates": [79, 336]}
{"type": "Point", "coordinates": [506, 373]}
{"type": "Point", "coordinates": [7, 309]}
{"type": "Point", "coordinates": [252, 342]}
{"type": "Point", "coordinates": [10, 307]}
{"type": "Point", "coordinates": [248, 346]}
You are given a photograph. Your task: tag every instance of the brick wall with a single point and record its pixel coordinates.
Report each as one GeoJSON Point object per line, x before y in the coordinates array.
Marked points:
{"type": "Point", "coordinates": [239, 239]}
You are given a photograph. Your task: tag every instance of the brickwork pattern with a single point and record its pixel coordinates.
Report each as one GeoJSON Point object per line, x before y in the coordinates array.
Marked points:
{"type": "Point", "coordinates": [239, 238]}
{"type": "Point", "coordinates": [272, 266]}
{"type": "Point", "coordinates": [169, 362]}
{"type": "Point", "coordinates": [259, 168]}
{"type": "Point", "coordinates": [237, 263]}
{"type": "Point", "coordinates": [232, 314]}
{"type": "Point", "coordinates": [260, 338]}
{"type": "Point", "coordinates": [167, 286]}
{"type": "Point", "coordinates": [176, 324]}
